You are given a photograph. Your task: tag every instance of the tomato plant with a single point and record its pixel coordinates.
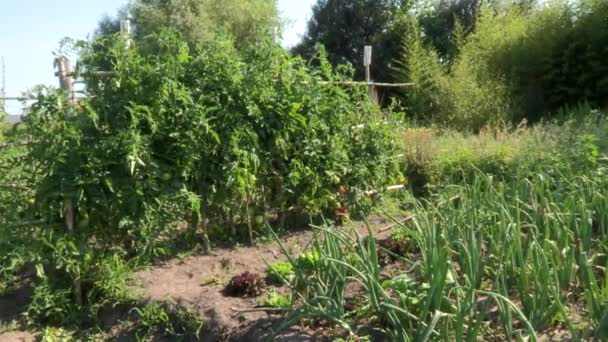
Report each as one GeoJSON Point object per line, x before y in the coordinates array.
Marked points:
{"type": "Point", "coordinates": [213, 137]}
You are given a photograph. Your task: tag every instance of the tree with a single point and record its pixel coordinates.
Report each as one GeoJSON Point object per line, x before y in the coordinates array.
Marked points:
{"type": "Point", "coordinates": [344, 27]}
{"type": "Point", "coordinates": [439, 19]}
{"type": "Point", "coordinates": [198, 21]}
{"type": "Point", "coordinates": [442, 21]}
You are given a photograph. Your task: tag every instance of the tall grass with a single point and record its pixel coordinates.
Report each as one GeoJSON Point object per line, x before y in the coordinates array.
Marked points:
{"type": "Point", "coordinates": [435, 158]}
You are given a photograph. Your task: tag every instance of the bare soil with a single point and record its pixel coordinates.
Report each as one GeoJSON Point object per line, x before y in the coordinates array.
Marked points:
{"type": "Point", "coordinates": [11, 305]}
{"type": "Point", "coordinates": [197, 283]}
{"type": "Point", "coordinates": [17, 336]}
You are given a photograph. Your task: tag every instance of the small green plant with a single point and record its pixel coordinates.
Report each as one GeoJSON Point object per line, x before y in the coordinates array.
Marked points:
{"type": "Point", "coordinates": [307, 261]}
{"type": "Point", "coordinates": [155, 318]}
{"type": "Point", "coordinates": [279, 272]}
{"type": "Point", "coordinates": [410, 293]}
{"type": "Point", "coordinates": [152, 318]}
{"type": "Point", "coordinates": [211, 281]}
{"type": "Point", "coordinates": [275, 300]}
{"type": "Point", "coordinates": [53, 334]}
{"type": "Point", "coordinates": [586, 153]}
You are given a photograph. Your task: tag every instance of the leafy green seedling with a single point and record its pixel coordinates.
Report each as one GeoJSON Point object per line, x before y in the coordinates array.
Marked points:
{"type": "Point", "coordinates": [280, 272]}
{"type": "Point", "coordinates": [276, 300]}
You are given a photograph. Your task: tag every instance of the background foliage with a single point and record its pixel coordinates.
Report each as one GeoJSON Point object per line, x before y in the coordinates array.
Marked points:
{"type": "Point", "coordinates": [518, 62]}
{"type": "Point", "coordinates": [198, 21]}
{"type": "Point", "coordinates": [345, 27]}
{"type": "Point", "coordinates": [474, 63]}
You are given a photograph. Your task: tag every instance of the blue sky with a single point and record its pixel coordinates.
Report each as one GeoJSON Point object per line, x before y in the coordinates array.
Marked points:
{"type": "Point", "coordinates": [30, 30]}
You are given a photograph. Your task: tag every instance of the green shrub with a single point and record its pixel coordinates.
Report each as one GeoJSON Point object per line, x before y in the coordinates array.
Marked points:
{"type": "Point", "coordinates": [52, 304]}
{"type": "Point", "coordinates": [426, 99]}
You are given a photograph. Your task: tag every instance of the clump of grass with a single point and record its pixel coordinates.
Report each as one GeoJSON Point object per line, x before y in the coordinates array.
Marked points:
{"type": "Point", "coordinates": [156, 318]}
{"type": "Point", "coordinates": [437, 158]}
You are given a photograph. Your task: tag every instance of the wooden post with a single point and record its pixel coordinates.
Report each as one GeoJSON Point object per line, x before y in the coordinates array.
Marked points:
{"type": "Point", "coordinates": [64, 72]}
{"type": "Point", "coordinates": [125, 30]}
{"type": "Point", "coordinates": [69, 224]}
{"type": "Point", "coordinates": [367, 62]}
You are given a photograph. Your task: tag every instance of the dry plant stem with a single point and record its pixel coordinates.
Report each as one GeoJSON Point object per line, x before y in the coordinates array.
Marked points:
{"type": "Point", "coordinates": [249, 223]}
{"type": "Point", "coordinates": [402, 221]}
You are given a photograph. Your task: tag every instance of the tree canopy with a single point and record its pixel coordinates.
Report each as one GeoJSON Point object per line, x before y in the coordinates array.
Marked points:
{"type": "Point", "coordinates": [198, 21]}
{"type": "Point", "coordinates": [344, 27]}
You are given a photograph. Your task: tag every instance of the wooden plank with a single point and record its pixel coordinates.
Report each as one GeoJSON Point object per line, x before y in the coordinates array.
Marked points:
{"type": "Point", "coordinates": [17, 98]}
{"type": "Point", "coordinates": [21, 144]}
{"type": "Point", "coordinates": [389, 188]}
{"type": "Point", "coordinates": [89, 73]}
{"type": "Point", "coordinates": [344, 83]}
{"type": "Point", "coordinates": [29, 98]}
{"type": "Point", "coordinates": [365, 84]}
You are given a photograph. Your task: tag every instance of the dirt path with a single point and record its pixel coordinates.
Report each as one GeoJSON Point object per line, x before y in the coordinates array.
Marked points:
{"type": "Point", "coordinates": [197, 282]}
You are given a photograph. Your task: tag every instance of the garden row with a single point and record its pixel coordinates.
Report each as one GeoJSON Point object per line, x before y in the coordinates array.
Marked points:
{"type": "Point", "coordinates": [512, 252]}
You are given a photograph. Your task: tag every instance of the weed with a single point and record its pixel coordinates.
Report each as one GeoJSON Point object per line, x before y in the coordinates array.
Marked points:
{"type": "Point", "coordinates": [155, 318]}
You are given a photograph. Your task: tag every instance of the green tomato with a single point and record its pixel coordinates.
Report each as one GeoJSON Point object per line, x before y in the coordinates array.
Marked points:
{"type": "Point", "coordinates": [165, 176]}
{"type": "Point", "coordinates": [259, 220]}
{"type": "Point", "coordinates": [83, 220]}
{"type": "Point", "coordinates": [334, 205]}
{"type": "Point", "coordinates": [83, 223]}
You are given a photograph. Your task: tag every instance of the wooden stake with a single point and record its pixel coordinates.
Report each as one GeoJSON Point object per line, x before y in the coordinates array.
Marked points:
{"type": "Point", "coordinates": [69, 224]}
{"type": "Point", "coordinates": [64, 67]}
{"type": "Point", "coordinates": [367, 62]}
{"type": "Point", "coordinates": [64, 72]}
{"type": "Point", "coordinates": [205, 228]}
{"type": "Point", "coordinates": [125, 30]}
{"type": "Point", "coordinates": [249, 223]}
